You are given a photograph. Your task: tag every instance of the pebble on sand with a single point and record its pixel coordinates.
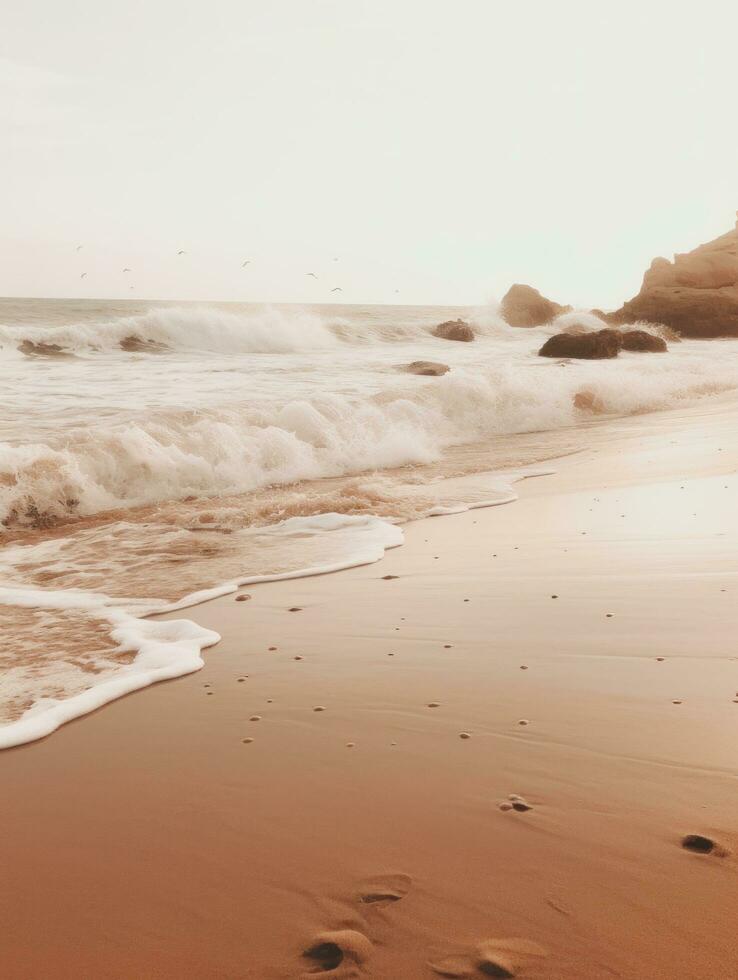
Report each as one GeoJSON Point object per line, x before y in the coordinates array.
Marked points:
{"type": "Point", "coordinates": [242, 598]}
{"type": "Point", "coordinates": [676, 701]}
{"type": "Point", "coordinates": [295, 609]}
{"type": "Point", "coordinates": [247, 741]}
{"type": "Point", "coordinates": [524, 721]}
{"type": "Point", "coordinates": [319, 707]}
{"type": "Point", "coordinates": [434, 704]}
{"type": "Point", "coordinates": [255, 718]}
{"type": "Point", "coordinates": [524, 666]}
{"type": "Point", "coordinates": [272, 648]}
{"type": "Point", "coordinates": [297, 658]}
{"type": "Point", "coordinates": [387, 578]}
{"type": "Point", "coordinates": [464, 735]}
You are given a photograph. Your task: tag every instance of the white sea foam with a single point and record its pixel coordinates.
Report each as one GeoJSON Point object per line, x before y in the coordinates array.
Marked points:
{"type": "Point", "coordinates": [246, 400]}
{"type": "Point", "coordinates": [173, 454]}
{"type": "Point", "coordinates": [163, 649]}
{"type": "Point", "coordinates": [185, 328]}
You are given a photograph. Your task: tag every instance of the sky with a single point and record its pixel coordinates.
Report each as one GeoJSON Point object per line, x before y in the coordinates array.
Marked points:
{"type": "Point", "coordinates": [411, 151]}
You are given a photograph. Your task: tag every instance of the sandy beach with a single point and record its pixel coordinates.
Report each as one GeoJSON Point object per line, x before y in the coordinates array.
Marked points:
{"type": "Point", "coordinates": [583, 637]}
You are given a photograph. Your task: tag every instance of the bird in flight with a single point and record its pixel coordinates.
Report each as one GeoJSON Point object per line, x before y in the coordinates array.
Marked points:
{"type": "Point", "coordinates": [181, 252]}
{"type": "Point", "coordinates": [311, 274]}
{"type": "Point", "coordinates": [83, 276]}
{"type": "Point", "coordinates": [244, 264]}
{"type": "Point", "coordinates": [336, 289]}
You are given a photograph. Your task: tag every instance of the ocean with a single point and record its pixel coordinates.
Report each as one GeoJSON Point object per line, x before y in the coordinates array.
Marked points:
{"type": "Point", "coordinates": [155, 454]}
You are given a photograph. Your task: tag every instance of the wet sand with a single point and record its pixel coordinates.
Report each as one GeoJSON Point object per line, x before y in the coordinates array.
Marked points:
{"type": "Point", "coordinates": [153, 840]}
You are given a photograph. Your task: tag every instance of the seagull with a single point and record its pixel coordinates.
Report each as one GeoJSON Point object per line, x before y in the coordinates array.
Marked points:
{"type": "Point", "coordinates": [181, 252]}
{"type": "Point", "coordinates": [336, 289]}
{"type": "Point", "coordinates": [83, 276]}
{"type": "Point", "coordinates": [311, 274]}
{"type": "Point", "coordinates": [244, 264]}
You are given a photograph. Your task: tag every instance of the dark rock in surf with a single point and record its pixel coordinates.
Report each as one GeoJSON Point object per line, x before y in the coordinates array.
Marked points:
{"type": "Point", "coordinates": [430, 368]}
{"type": "Point", "coordinates": [139, 345]}
{"type": "Point", "coordinates": [641, 340]}
{"type": "Point", "coordinates": [523, 306]}
{"type": "Point", "coordinates": [31, 349]}
{"type": "Point", "coordinates": [591, 346]}
{"type": "Point", "coordinates": [454, 330]}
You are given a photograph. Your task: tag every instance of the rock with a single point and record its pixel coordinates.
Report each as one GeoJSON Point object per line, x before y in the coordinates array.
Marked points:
{"type": "Point", "coordinates": [593, 346]}
{"type": "Point", "coordinates": [133, 344]}
{"type": "Point", "coordinates": [523, 306]}
{"type": "Point", "coordinates": [588, 401]}
{"type": "Point", "coordinates": [40, 349]}
{"type": "Point", "coordinates": [641, 340]}
{"type": "Point", "coordinates": [696, 294]}
{"type": "Point", "coordinates": [454, 330]}
{"type": "Point", "coordinates": [434, 368]}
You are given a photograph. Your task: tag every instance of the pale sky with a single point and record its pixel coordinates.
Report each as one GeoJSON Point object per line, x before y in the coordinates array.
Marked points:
{"type": "Point", "coordinates": [442, 148]}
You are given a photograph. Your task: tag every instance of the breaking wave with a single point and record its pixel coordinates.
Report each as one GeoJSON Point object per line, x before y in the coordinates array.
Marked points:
{"type": "Point", "coordinates": [173, 454]}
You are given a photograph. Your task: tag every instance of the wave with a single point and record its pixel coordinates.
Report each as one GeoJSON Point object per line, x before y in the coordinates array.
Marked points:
{"type": "Point", "coordinates": [177, 328]}
{"type": "Point", "coordinates": [268, 330]}
{"type": "Point", "coordinates": [130, 652]}
{"type": "Point", "coordinates": [174, 454]}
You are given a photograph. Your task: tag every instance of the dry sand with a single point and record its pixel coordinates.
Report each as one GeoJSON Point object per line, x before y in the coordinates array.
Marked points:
{"type": "Point", "coordinates": [169, 836]}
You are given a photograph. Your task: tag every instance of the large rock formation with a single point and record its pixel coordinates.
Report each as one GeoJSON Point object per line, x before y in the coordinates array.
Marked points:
{"type": "Point", "coordinates": [523, 306]}
{"type": "Point", "coordinates": [592, 346]}
{"type": "Point", "coordinates": [696, 294]}
{"type": "Point", "coordinates": [454, 330]}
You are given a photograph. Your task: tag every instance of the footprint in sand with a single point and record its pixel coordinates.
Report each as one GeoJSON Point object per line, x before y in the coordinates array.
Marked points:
{"type": "Point", "coordinates": [699, 844]}
{"type": "Point", "coordinates": [515, 802]}
{"type": "Point", "coordinates": [382, 890]}
{"type": "Point", "coordinates": [490, 958]}
{"type": "Point", "coordinates": [330, 949]}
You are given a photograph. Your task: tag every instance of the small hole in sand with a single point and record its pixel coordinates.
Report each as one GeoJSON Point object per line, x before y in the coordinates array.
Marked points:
{"type": "Point", "coordinates": [328, 956]}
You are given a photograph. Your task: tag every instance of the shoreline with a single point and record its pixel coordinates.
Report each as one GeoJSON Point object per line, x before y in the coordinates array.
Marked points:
{"type": "Point", "coordinates": [183, 851]}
